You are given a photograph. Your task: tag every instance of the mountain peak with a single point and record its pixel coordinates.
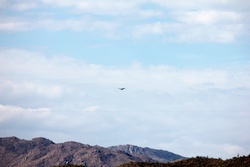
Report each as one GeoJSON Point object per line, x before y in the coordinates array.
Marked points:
{"type": "Point", "coordinates": [10, 139]}
{"type": "Point", "coordinates": [128, 148]}
{"type": "Point", "coordinates": [42, 141]}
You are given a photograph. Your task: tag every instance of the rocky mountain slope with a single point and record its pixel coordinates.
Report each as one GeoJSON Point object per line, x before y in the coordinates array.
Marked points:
{"type": "Point", "coordinates": [157, 155]}
{"type": "Point", "coordinates": [41, 152]}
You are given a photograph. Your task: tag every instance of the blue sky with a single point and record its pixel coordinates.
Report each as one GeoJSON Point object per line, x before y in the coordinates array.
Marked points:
{"type": "Point", "coordinates": [185, 66]}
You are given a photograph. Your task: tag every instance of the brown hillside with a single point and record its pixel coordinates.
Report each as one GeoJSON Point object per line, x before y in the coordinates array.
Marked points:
{"type": "Point", "coordinates": [42, 152]}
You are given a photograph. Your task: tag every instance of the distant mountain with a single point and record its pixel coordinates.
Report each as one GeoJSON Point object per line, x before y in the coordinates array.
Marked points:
{"type": "Point", "coordinates": [156, 155]}
{"type": "Point", "coordinates": [41, 152]}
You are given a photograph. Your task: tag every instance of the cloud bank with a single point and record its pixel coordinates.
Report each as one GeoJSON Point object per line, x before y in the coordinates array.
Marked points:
{"type": "Point", "coordinates": [189, 111]}
{"type": "Point", "coordinates": [179, 21]}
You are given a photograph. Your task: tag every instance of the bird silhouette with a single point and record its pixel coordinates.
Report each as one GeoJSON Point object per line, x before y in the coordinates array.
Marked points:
{"type": "Point", "coordinates": [121, 88]}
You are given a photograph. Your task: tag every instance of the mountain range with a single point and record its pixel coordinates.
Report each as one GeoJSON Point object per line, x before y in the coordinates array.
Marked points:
{"type": "Point", "coordinates": [42, 152]}
{"type": "Point", "coordinates": [156, 155]}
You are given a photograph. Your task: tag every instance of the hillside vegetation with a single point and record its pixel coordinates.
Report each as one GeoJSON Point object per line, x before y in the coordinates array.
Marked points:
{"type": "Point", "coordinates": [243, 161]}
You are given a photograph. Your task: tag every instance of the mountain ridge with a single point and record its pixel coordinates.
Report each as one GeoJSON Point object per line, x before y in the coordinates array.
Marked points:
{"type": "Point", "coordinates": [155, 154]}
{"type": "Point", "coordinates": [42, 152]}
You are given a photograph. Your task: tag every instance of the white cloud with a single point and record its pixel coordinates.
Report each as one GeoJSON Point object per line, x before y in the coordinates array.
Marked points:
{"type": "Point", "coordinates": [197, 26]}
{"type": "Point", "coordinates": [96, 6]}
{"type": "Point", "coordinates": [19, 5]}
{"type": "Point", "coordinates": [209, 17]}
{"type": "Point", "coordinates": [209, 26]}
{"type": "Point", "coordinates": [233, 150]}
{"type": "Point", "coordinates": [158, 28]}
{"type": "Point", "coordinates": [185, 21]}
{"type": "Point", "coordinates": [18, 65]}
{"type": "Point", "coordinates": [91, 109]}
{"type": "Point", "coordinates": [9, 112]}
{"type": "Point", "coordinates": [47, 90]}
{"type": "Point", "coordinates": [126, 6]}
{"type": "Point", "coordinates": [27, 88]}
{"type": "Point", "coordinates": [19, 24]}
{"type": "Point", "coordinates": [215, 26]}
{"type": "Point", "coordinates": [183, 5]}
{"type": "Point", "coordinates": [150, 13]}
{"type": "Point", "coordinates": [192, 148]}
{"type": "Point", "coordinates": [14, 24]}
{"type": "Point", "coordinates": [212, 103]}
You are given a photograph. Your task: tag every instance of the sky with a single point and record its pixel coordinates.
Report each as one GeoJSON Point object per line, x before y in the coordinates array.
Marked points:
{"type": "Point", "coordinates": [184, 64]}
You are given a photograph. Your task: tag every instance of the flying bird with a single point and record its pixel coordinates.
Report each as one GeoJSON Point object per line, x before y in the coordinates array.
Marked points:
{"type": "Point", "coordinates": [121, 88]}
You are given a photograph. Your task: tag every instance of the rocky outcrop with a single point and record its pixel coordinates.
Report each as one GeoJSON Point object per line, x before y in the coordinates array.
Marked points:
{"type": "Point", "coordinates": [156, 155]}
